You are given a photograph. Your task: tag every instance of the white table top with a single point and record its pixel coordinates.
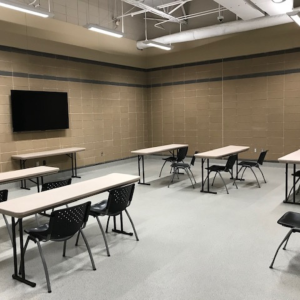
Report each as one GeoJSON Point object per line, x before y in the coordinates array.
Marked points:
{"type": "Point", "coordinates": [221, 152]}
{"type": "Point", "coordinates": [27, 173]}
{"type": "Point", "coordinates": [47, 153]}
{"type": "Point", "coordinates": [158, 149]}
{"type": "Point", "coordinates": [293, 157]}
{"type": "Point", "coordinates": [31, 204]}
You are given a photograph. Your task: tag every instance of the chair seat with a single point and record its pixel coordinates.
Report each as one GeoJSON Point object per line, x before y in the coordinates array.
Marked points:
{"type": "Point", "coordinates": [296, 174]}
{"type": "Point", "coordinates": [170, 159]}
{"type": "Point", "coordinates": [39, 232]}
{"type": "Point", "coordinates": [290, 219]}
{"type": "Point", "coordinates": [180, 165]}
{"type": "Point", "coordinates": [98, 209]}
{"type": "Point", "coordinates": [216, 168]}
{"type": "Point", "coordinates": [248, 163]}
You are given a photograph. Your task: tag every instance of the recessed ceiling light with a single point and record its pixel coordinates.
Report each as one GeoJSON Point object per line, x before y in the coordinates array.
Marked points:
{"type": "Point", "coordinates": [158, 45]}
{"type": "Point", "coordinates": [26, 9]}
{"type": "Point", "coordinates": [278, 1]}
{"type": "Point", "coordinates": [104, 30]}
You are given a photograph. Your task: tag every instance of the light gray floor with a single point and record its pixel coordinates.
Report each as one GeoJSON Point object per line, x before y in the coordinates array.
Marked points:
{"type": "Point", "coordinates": [192, 245]}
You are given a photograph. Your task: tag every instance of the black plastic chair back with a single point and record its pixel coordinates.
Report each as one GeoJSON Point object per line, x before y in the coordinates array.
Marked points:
{"type": "Point", "coordinates": [194, 158]}
{"type": "Point", "coordinates": [55, 184]}
{"type": "Point", "coordinates": [230, 162]}
{"type": "Point", "coordinates": [182, 152]}
{"type": "Point", "coordinates": [3, 195]}
{"type": "Point", "coordinates": [262, 157]}
{"type": "Point", "coordinates": [64, 223]}
{"type": "Point", "coordinates": [119, 199]}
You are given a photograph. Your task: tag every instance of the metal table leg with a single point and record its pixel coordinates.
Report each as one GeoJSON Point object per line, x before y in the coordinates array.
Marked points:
{"type": "Point", "coordinates": [73, 164]}
{"type": "Point", "coordinates": [23, 275]}
{"type": "Point", "coordinates": [202, 167]}
{"type": "Point", "coordinates": [23, 182]}
{"type": "Point", "coordinates": [141, 158]}
{"type": "Point", "coordinates": [237, 170]}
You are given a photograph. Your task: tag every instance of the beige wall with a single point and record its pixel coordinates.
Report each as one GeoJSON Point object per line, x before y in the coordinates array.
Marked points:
{"type": "Point", "coordinates": [109, 121]}
{"type": "Point", "coordinates": [262, 111]}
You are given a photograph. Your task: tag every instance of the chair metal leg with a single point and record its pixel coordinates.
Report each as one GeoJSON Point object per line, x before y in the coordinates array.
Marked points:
{"type": "Point", "coordinates": [104, 237]}
{"type": "Point", "coordinates": [293, 188]}
{"type": "Point", "coordinates": [286, 238]}
{"type": "Point", "coordinates": [284, 248]}
{"type": "Point", "coordinates": [89, 249]}
{"type": "Point", "coordinates": [214, 179]}
{"type": "Point", "coordinates": [162, 168]}
{"type": "Point", "coordinates": [262, 173]}
{"type": "Point", "coordinates": [223, 182]}
{"type": "Point", "coordinates": [25, 248]}
{"type": "Point", "coordinates": [65, 246]}
{"type": "Point", "coordinates": [187, 172]}
{"type": "Point", "coordinates": [172, 177]}
{"type": "Point", "coordinates": [107, 223]}
{"type": "Point", "coordinates": [8, 227]}
{"type": "Point", "coordinates": [206, 178]}
{"type": "Point", "coordinates": [77, 239]}
{"type": "Point", "coordinates": [243, 172]}
{"type": "Point", "coordinates": [298, 190]}
{"type": "Point", "coordinates": [44, 264]}
{"type": "Point", "coordinates": [234, 179]}
{"type": "Point", "coordinates": [193, 175]}
{"type": "Point", "coordinates": [255, 176]}
{"type": "Point", "coordinates": [132, 225]}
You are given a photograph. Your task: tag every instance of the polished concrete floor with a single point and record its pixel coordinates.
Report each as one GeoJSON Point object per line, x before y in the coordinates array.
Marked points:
{"type": "Point", "coordinates": [192, 245]}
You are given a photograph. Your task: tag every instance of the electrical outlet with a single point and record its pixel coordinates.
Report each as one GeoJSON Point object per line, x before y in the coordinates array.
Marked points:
{"type": "Point", "coordinates": [254, 149]}
{"type": "Point", "coordinates": [101, 153]}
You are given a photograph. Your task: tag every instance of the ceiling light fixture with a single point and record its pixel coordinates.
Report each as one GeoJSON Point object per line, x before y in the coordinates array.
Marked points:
{"type": "Point", "coordinates": [278, 1]}
{"type": "Point", "coordinates": [158, 45]}
{"type": "Point", "coordinates": [26, 9]}
{"type": "Point", "coordinates": [104, 30]}
{"type": "Point", "coordinates": [295, 16]}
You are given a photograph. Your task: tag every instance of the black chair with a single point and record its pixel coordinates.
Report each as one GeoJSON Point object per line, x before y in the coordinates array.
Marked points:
{"type": "Point", "coordinates": [118, 201]}
{"type": "Point", "coordinates": [290, 220]}
{"type": "Point", "coordinates": [3, 198]}
{"type": "Point", "coordinates": [50, 186]}
{"type": "Point", "coordinates": [250, 164]}
{"type": "Point", "coordinates": [62, 226]}
{"type": "Point", "coordinates": [218, 169]}
{"type": "Point", "coordinates": [56, 184]}
{"type": "Point", "coordinates": [296, 175]}
{"type": "Point", "coordinates": [186, 167]}
{"type": "Point", "coordinates": [181, 154]}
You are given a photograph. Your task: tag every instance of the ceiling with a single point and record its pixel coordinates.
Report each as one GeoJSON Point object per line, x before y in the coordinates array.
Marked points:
{"type": "Point", "coordinates": [108, 13]}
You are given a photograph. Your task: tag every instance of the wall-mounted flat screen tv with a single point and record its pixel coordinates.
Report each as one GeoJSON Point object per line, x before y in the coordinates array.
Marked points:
{"type": "Point", "coordinates": [39, 110]}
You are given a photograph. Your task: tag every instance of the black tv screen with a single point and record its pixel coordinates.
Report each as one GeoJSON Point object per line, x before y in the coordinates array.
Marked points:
{"type": "Point", "coordinates": [35, 110]}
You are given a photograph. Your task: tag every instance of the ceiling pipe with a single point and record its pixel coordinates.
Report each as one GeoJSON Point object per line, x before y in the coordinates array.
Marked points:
{"type": "Point", "coordinates": [219, 30]}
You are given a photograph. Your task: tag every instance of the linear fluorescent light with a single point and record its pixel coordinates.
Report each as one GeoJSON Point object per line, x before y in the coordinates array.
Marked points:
{"type": "Point", "coordinates": [158, 45]}
{"type": "Point", "coordinates": [26, 9]}
{"type": "Point", "coordinates": [104, 30]}
{"type": "Point", "coordinates": [294, 15]}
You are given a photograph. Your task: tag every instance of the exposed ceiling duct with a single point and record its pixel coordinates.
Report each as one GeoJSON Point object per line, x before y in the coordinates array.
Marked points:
{"type": "Point", "coordinates": [255, 14]}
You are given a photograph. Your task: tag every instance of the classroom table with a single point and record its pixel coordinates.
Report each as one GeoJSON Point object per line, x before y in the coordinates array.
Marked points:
{"type": "Point", "coordinates": [218, 153]}
{"type": "Point", "coordinates": [32, 204]}
{"type": "Point", "coordinates": [147, 151]}
{"type": "Point", "coordinates": [36, 172]}
{"type": "Point", "coordinates": [292, 158]}
{"type": "Point", "coordinates": [70, 152]}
